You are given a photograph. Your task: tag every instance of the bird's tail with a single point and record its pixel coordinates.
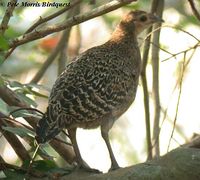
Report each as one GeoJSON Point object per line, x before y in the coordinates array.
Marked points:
{"type": "Point", "coordinates": [46, 130]}
{"type": "Point", "coordinates": [41, 129]}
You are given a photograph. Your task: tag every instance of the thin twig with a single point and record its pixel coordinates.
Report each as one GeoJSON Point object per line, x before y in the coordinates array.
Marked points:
{"type": "Point", "coordinates": [155, 69]}
{"type": "Point", "coordinates": [7, 16]}
{"type": "Point", "coordinates": [52, 16]}
{"type": "Point", "coordinates": [144, 83]}
{"type": "Point", "coordinates": [194, 9]}
{"type": "Point", "coordinates": [158, 46]}
{"type": "Point", "coordinates": [173, 55]}
{"type": "Point", "coordinates": [43, 20]}
{"type": "Point", "coordinates": [115, 4]}
{"type": "Point", "coordinates": [64, 38]}
{"type": "Point", "coordinates": [180, 29]}
{"type": "Point", "coordinates": [145, 87]}
{"type": "Point", "coordinates": [146, 95]}
{"type": "Point", "coordinates": [62, 59]}
{"type": "Point", "coordinates": [173, 27]}
{"type": "Point", "coordinates": [178, 101]}
{"type": "Point", "coordinates": [9, 53]}
{"type": "Point", "coordinates": [182, 52]}
{"type": "Point", "coordinates": [32, 159]}
{"type": "Point", "coordinates": [47, 63]}
{"type": "Point", "coordinates": [16, 123]}
{"type": "Point", "coordinates": [65, 133]}
{"type": "Point", "coordinates": [166, 110]}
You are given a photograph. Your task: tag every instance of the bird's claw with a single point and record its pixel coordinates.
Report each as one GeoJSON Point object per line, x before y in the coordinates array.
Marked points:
{"type": "Point", "coordinates": [87, 169]}
{"type": "Point", "coordinates": [112, 168]}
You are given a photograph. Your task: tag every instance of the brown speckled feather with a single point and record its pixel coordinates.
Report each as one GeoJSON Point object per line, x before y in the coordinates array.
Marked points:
{"type": "Point", "coordinates": [98, 86]}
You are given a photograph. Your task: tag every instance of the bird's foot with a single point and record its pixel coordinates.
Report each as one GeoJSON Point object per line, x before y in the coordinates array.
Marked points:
{"type": "Point", "coordinates": [89, 169]}
{"type": "Point", "coordinates": [114, 167]}
{"type": "Point", "coordinates": [86, 168]}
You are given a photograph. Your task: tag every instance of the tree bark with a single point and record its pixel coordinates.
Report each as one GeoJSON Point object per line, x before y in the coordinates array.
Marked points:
{"type": "Point", "coordinates": [179, 164]}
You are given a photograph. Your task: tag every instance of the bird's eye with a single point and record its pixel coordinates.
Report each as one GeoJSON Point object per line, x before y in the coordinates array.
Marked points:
{"type": "Point", "coordinates": [143, 18]}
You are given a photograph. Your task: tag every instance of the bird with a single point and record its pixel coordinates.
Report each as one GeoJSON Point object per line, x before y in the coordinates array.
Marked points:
{"type": "Point", "coordinates": [97, 87]}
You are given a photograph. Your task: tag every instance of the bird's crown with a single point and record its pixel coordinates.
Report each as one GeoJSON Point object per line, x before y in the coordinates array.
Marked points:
{"type": "Point", "coordinates": [140, 20]}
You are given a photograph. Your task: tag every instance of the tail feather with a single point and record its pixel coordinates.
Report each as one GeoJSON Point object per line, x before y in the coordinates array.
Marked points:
{"type": "Point", "coordinates": [46, 130]}
{"type": "Point", "coordinates": [41, 129]}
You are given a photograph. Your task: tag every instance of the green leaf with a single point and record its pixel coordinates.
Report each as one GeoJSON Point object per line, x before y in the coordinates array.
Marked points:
{"type": "Point", "coordinates": [42, 152]}
{"type": "Point", "coordinates": [25, 113]}
{"type": "Point", "coordinates": [2, 175]}
{"type": "Point", "coordinates": [12, 32]}
{"type": "Point", "coordinates": [20, 131]}
{"type": "Point", "coordinates": [1, 81]}
{"type": "Point", "coordinates": [44, 165]}
{"type": "Point", "coordinates": [1, 59]}
{"type": "Point", "coordinates": [3, 107]}
{"type": "Point", "coordinates": [3, 43]}
{"type": "Point", "coordinates": [15, 84]}
{"type": "Point", "coordinates": [38, 94]}
{"type": "Point", "coordinates": [38, 86]}
{"type": "Point", "coordinates": [47, 166]}
{"type": "Point", "coordinates": [26, 99]}
{"type": "Point", "coordinates": [11, 174]}
{"type": "Point", "coordinates": [27, 88]}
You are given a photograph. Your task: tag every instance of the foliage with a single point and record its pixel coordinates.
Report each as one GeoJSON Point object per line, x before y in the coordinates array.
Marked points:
{"type": "Point", "coordinates": [18, 63]}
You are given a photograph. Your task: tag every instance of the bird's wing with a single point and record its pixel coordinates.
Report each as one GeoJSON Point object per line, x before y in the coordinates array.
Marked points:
{"type": "Point", "coordinates": [88, 89]}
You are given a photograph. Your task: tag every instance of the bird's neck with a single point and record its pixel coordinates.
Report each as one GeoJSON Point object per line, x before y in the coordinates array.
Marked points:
{"type": "Point", "coordinates": [124, 42]}
{"type": "Point", "coordinates": [124, 37]}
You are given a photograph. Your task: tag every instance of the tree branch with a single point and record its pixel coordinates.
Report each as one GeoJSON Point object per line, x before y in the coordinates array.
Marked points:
{"type": "Point", "coordinates": [144, 83]}
{"type": "Point", "coordinates": [37, 34]}
{"type": "Point", "coordinates": [185, 163]}
{"type": "Point", "coordinates": [195, 11]}
{"type": "Point", "coordinates": [62, 60]}
{"type": "Point", "coordinates": [52, 16]}
{"type": "Point", "coordinates": [194, 143]}
{"type": "Point", "coordinates": [7, 16]}
{"type": "Point", "coordinates": [14, 141]}
{"type": "Point", "coordinates": [155, 66]}
{"type": "Point", "coordinates": [48, 62]}
{"type": "Point", "coordinates": [179, 164]}
{"type": "Point", "coordinates": [146, 95]}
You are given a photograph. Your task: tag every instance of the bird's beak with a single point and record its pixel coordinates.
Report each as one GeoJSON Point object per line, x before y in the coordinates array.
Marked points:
{"type": "Point", "coordinates": [156, 19]}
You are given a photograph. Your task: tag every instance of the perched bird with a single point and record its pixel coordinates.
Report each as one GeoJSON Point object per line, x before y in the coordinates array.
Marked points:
{"type": "Point", "coordinates": [98, 86]}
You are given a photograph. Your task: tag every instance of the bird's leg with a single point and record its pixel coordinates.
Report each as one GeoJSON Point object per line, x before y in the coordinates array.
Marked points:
{"type": "Point", "coordinates": [72, 136]}
{"type": "Point", "coordinates": [80, 161]}
{"type": "Point", "coordinates": [104, 133]}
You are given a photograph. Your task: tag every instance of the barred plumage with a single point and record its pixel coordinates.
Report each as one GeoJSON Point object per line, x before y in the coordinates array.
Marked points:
{"type": "Point", "coordinates": [98, 86]}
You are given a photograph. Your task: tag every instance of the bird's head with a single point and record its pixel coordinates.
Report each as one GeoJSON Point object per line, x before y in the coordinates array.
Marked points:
{"type": "Point", "coordinates": [138, 20]}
